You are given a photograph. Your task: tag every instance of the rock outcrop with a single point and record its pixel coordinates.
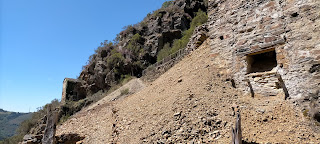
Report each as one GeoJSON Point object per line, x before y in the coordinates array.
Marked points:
{"type": "Point", "coordinates": [199, 35]}
{"type": "Point", "coordinates": [137, 46]}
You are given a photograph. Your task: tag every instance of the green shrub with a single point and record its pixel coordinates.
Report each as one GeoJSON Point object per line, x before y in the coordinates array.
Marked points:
{"type": "Point", "coordinates": [143, 24]}
{"type": "Point", "coordinates": [125, 78]}
{"type": "Point", "coordinates": [134, 45]}
{"type": "Point", "coordinates": [128, 28]}
{"type": "Point", "coordinates": [71, 107]}
{"type": "Point", "coordinates": [124, 92]}
{"type": "Point", "coordinates": [103, 46]}
{"type": "Point", "coordinates": [64, 118]}
{"type": "Point", "coordinates": [201, 18]}
{"type": "Point", "coordinates": [164, 52]}
{"type": "Point", "coordinates": [115, 60]}
{"type": "Point", "coordinates": [166, 4]}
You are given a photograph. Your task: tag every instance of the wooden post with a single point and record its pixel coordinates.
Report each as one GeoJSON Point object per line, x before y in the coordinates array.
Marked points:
{"type": "Point", "coordinates": [285, 90]}
{"type": "Point", "coordinates": [251, 88]}
{"type": "Point", "coordinates": [236, 132]}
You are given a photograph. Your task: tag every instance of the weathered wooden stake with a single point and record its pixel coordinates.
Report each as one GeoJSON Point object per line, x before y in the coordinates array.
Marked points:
{"type": "Point", "coordinates": [236, 132]}
{"type": "Point", "coordinates": [285, 90]}
{"type": "Point", "coordinates": [250, 86]}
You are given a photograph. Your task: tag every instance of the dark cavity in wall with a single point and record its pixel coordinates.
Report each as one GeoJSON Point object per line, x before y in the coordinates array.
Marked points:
{"type": "Point", "coordinates": [315, 68]}
{"type": "Point", "coordinates": [261, 62]}
{"type": "Point", "coordinates": [294, 14]}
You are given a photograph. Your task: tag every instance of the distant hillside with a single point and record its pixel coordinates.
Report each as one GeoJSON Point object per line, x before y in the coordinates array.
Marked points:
{"type": "Point", "coordinates": [9, 122]}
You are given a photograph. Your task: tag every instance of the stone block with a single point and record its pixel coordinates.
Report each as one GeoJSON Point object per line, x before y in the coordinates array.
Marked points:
{"type": "Point", "coordinates": [270, 4]}
{"type": "Point", "coordinates": [276, 26]}
{"type": "Point", "coordinates": [278, 32]}
{"type": "Point", "coordinates": [305, 8]}
{"type": "Point", "coordinates": [214, 55]}
{"type": "Point", "coordinates": [242, 50]}
{"type": "Point", "coordinates": [279, 41]}
{"type": "Point", "coordinates": [269, 39]}
{"type": "Point", "coordinates": [254, 47]}
{"type": "Point", "coordinates": [242, 42]}
{"type": "Point", "coordinates": [266, 45]}
{"type": "Point", "coordinates": [280, 56]}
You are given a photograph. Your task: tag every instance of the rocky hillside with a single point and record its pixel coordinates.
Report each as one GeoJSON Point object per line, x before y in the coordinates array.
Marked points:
{"type": "Point", "coordinates": [138, 46]}
{"type": "Point", "coordinates": [191, 103]}
{"type": "Point", "coordinates": [9, 122]}
{"type": "Point", "coordinates": [197, 100]}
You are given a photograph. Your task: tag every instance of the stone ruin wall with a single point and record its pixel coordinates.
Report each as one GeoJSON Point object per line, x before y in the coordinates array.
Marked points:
{"type": "Point", "coordinates": [72, 90]}
{"type": "Point", "coordinates": [240, 28]}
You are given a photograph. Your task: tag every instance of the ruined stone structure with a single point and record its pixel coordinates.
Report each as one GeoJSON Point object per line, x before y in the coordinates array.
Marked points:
{"type": "Point", "coordinates": [72, 90]}
{"type": "Point", "coordinates": [268, 47]}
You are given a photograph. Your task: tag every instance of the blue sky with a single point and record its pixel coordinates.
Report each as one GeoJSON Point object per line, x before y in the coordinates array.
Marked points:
{"type": "Point", "coordinates": [44, 41]}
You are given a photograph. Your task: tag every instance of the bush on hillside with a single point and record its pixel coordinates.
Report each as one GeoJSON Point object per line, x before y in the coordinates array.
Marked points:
{"type": "Point", "coordinates": [124, 92]}
{"type": "Point", "coordinates": [134, 45]}
{"type": "Point", "coordinates": [166, 4]}
{"type": "Point", "coordinates": [164, 52]}
{"type": "Point", "coordinates": [115, 60]}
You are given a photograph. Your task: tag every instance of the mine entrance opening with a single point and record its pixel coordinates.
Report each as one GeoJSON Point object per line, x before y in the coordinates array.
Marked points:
{"type": "Point", "coordinates": [262, 61]}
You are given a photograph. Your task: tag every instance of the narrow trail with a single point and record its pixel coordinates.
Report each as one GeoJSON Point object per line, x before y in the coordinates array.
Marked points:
{"type": "Point", "coordinates": [190, 103]}
{"type": "Point", "coordinates": [132, 86]}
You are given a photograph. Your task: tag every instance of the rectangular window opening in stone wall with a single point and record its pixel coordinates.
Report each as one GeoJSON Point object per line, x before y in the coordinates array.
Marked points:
{"type": "Point", "coordinates": [262, 61]}
{"type": "Point", "coordinates": [75, 96]}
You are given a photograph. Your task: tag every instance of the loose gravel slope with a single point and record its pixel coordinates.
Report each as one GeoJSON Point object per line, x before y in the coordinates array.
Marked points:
{"type": "Point", "coordinates": [190, 103]}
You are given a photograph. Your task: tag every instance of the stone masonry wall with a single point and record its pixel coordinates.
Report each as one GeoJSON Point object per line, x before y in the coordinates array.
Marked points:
{"type": "Point", "coordinates": [238, 28]}
{"type": "Point", "coordinates": [72, 90]}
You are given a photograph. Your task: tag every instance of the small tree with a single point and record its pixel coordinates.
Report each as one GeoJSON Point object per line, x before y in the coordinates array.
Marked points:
{"type": "Point", "coordinates": [164, 52]}
{"type": "Point", "coordinates": [166, 4]}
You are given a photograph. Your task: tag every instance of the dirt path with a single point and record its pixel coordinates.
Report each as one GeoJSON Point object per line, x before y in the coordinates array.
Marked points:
{"type": "Point", "coordinates": [190, 104]}
{"type": "Point", "coordinates": [133, 86]}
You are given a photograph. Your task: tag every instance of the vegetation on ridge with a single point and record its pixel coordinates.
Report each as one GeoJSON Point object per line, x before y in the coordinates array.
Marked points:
{"type": "Point", "coordinates": [138, 46]}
